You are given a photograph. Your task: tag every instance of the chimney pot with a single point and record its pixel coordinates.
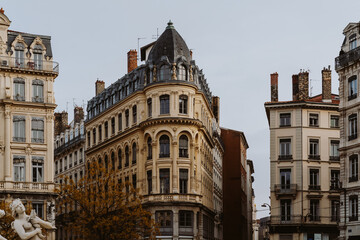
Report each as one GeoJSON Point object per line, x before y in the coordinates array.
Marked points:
{"type": "Point", "coordinates": [132, 60]}
{"type": "Point", "coordinates": [326, 85]}
{"type": "Point", "coordinates": [99, 87]}
{"type": "Point", "coordinates": [274, 86]}
{"type": "Point", "coordinates": [303, 85]}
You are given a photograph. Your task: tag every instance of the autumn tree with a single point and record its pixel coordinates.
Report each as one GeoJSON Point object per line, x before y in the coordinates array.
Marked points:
{"type": "Point", "coordinates": [99, 207]}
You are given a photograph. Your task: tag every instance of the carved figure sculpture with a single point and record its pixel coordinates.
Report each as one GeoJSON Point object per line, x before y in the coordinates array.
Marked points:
{"type": "Point", "coordinates": [27, 227]}
{"type": "Point", "coordinates": [2, 213]}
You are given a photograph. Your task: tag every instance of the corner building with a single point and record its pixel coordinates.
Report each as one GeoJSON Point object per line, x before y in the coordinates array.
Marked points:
{"type": "Point", "coordinates": [27, 103]}
{"type": "Point", "coordinates": [158, 126]}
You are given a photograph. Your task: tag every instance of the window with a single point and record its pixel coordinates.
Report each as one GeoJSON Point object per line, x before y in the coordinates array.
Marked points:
{"type": "Point", "coordinates": [127, 118]}
{"type": "Point", "coordinates": [314, 149]}
{"type": "Point", "coordinates": [19, 55]}
{"type": "Point", "coordinates": [164, 104]}
{"type": "Point", "coordinates": [183, 102]}
{"type": "Point", "coordinates": [285, 119]}
{"type": "Point", "coordinates": [164, 73]}
{"type": "Point", "coordinates": [100, 133]}
{"type": "Point", "coordinates": [334, 121]}
{"type": "Point", "coordinates": [335, 211]}
{"type": "Point", "coordinates": [134, 112]}
{"type": "Point", "coordinates": [314, 120]}
{"type": "Point", "coordinates": [149, 148]}
{"type": "Point", "coordinates": [352, 41]}
{"type": "Point", "coordinates": [19, 129]}
{"type": "Point", "coordinates": [38, 56]}
{"type": "Point", "coordinates": [285, 149]}
{"type": "Point", "coordinates": [127, 184]}
{"type": "Point", "coordinates": [75, 158]}
{"type": "Point", "coordinates": [149, 181]}
{"type": "Point", "coordinates": [334, 150]}
{"type": "Point", "coordinates": [285, 178]}
{"type": "Point", "coordinates": [112, 126]}
{"type": "Point", "coordinates": [37, 130]}
{"type": "Point", "coordinates": [94, 136]}
{"type": "Point", "coordinates": [314, 210]}
{"type": "Point", "coordinates": [334, 179]}
{"type": "Point", "coordinates": [164, 219]}
{"type": "Point", "coordinates": [19, 89]}
{"type": "Point", "coordinates": [133, 154]}
{"type": "Point", "coordinates": [134, 181]}
{"type": "Point", "coordinates": [182, 73]}
{"type": "Point", "coordinates": [149, 107]}
{"type": "Point", "coordinates": [81, 155]}
{"type": "Point", "coordinates": [353, 168]}
{"type": "Point", "coordinates": [314, 179]}
{"type": "Point", "coordinates": [112, 161]}
{"type": "Point", "coordinates": [183, 181]}
{"type": "Point", "coordinates": [353, 204]}
{"type": "Point", "coordinates": [164, 146]}
{"type": "Point", "coordinates": [186, 222]}
{"type": "Point", "coordinates": [126, 156]}
{"type": "Point", "coordinates": [165, 180]}
{"type": "Point", "coordinates": [106, 160]}
{"type": "Point", "coordinates": [19, 168]}
{"type": "Point", "coordinates": [39, 209]}
{"type": "Point", "coordinates": [38, 91]}
{"type": "Point", "coordinates": [285, 209]}
{"type": "Point", "coordinates": [120, 121]}
{"type": "Point", "coordinates": [37, 169]}
{"type": "Point", "coordinates": [88, 136]}
{"type": "Point", "coordinates": [106, 129]}
{"type": "Point", "coordinates": [119, 159]}
{"type": "Point", "coordinates": [183, 146]}
{"type": "Point", "coordinates": [352, 127]}
{"type": "Point", "coordinates": [352, 83]}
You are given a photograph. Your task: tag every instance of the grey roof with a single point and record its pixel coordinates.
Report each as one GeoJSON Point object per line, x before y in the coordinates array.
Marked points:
{"type": "Point", "coordinates": [29, 38]}
{"type": "Point", "coordinates": [171, 45]}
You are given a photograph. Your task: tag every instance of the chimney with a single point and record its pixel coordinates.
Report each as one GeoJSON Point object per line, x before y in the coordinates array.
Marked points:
{"type": "Point", "coordinates": [132, 60]}
{"type": "Point", "coordinates": [99, 87]}
{"type": "Point", "coordinates": [295, 84]}
{"type": "Point", "coordinates": [303, 86]}
{"type": "Point", "coordinates": [191, 54]}
{"type": "Point", "coordinates": [274, 86]}
{"type": "Point", "coordinates": [78, 114]}
{"type": "Point", "coordinates": [326, 84]}
{"type": "Point", "coordinates": [60, 122]}
{"type": "Point", "coordinates": [216, 107]}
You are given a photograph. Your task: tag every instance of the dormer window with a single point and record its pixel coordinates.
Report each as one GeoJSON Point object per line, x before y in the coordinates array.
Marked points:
{"type": "Point", "coordinates": [182, 73]}
{"type": "Point", "coordinates": [19, 55]}
{"type": "Point", "coordinates": [164, 73]}
{"type": "Point", "coordinates": [38, 57]}
{"type": "Point", "coordinates": [352, 42]}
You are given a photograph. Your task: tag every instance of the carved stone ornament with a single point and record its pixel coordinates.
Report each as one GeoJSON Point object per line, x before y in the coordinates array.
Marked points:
{"type": "Point", "coordinates": [191, 74]}
{"type": "Point", "coordinates": [173, 76]}
{"type": "Point", "coordinates": [28, 150]}
{"type": "Point", "coordinates": [2, 148]}
{"type": "Point", "coordinates": [154, 74]}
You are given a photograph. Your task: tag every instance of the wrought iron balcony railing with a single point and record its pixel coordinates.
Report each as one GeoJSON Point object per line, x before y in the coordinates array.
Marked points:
{"type": "Point", "coordinates": [345, 59]}
{"type": "Point", "coordinates": [285, 157]}
{"type": "Point", "coordinates": [314, 187]}
{"type": "Point", "coordinates": [314, 157]}
{"type": "Point", "coordinates": [285, 219]}
{"type": "Point", "coordinates": [285, 189]}
{"type": "Point", "coordinates": [29, 64]}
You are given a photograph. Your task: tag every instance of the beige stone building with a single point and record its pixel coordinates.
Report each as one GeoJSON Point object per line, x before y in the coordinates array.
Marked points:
{"type": "Point", "coordinates": [27, 104]}
{"type": "Point", "coordinates": [347, 65]}
{"type": "Point", "coordinates": [158, 125]}
{"type": "Point", "coordinates": [304, 161]}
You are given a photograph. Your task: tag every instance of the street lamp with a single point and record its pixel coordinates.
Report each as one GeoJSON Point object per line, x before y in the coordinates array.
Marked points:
{"type": "Point", "coordinates": [266, 205]}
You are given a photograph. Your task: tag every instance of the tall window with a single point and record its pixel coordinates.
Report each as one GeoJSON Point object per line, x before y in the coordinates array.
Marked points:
{"type": "Point", "coordinates": [39, 209]}
{"type": "Point", "coordinates": [113, 126]}
{"type": "Point", "coordinates": [334, 150]}
{"type": "Point", "coordinates": [149, 107]}
{"type": "Point", "coordinates": [285, 149]}
{"type": "Point", "coordinates": [164, 104]}
{"type": "Point", "coordinates": [164, 73]}
{"type": "Point", "coordinates": [183, 102]}
{"type": "Point", "coordinates": [126, 156]}
{"type": "Point", "coordinates": [314, 179]}
{"type": "Point", "coordinates": [106, 129]}
{"type": "Point", "coordinates": [88, 138]}
{"type": "Point", "coordinates": [19, 89]}
{"type": "Point", "coordinates": [314, 149]}
{"type": "Point", "coordinates": [335, 211]}
{"type": "Point", "coordinates": [352, 127]}
{"type": "Point", "coordinates": [352, 41]}
{"type": "Point", "coordinates": [352, 91]}
{"type": "Point", "coordinates": [120, 121]}
{"type": "Point", "coordinates": [183, 146]}
{"type": "Point", "coordinates": [94, 136]}
{"type": "Point", "coordinates": [182, 73]}
{"type": "Point", "coordinates": [285, 178]}
{"type": "Point", "coordinates": [38, 56]}
{"type": "Point", "coordinates": [106, 160]}
{"type": "Point", "coordinates": [186, 222]}
{"type": "Point", "coordinates": [119, 159]}
{"type": "Point", "coordinates": [149, 148]}
{"type": "Point", "coordinates": [314, 210]}
{"type": "Point", "coordinates": [19, 55]}
{"type": "Point", "coordinates": [134, 112]}
{"type": "Point", "coordinates": [112, 160]}
{"type": "Point", "coordinates": [183, 181]}
{"type": "Point", "coordinates": [285, 209]}
{"type": "Point", "coordinates": [334, 121]}
{"type": "Point", "coordinates": [19, 168]}
{"type": "Point", "coordinates": [164, 220]}
{"type": "Point", "coordinates": [100, 133]}
{"type": "Point", "coordinates": [164, 146]}
{"type": "Point", "coordinates": [353, 205]}
{"type": "Point", "coordinates": [37, 169]}
{"type": "Point", "coordinates": [133, 154]}
{"type": "Point", "coordinates": [334, 181]}
{"type": "Point", "coordinates": [38, 91]}
{"type": "Point", "coordinates": [127, 118]}
{"type": "Point", "coordinates": [353, 168]}
{"type": "Point", "coordinates": [37, 130]}
{"type": "Point", "coordinates": [19, 129]}
{"type": "Point", "coordinates": [165, 180]}
{"type": "Point", "coordinates": [314, 120]}
{"type": "Point", "coordinates": [285, 119]}
{"type": "Point", "coordinates": [149, 181]}
{"type": "Point", "coordinates": [134, 181]}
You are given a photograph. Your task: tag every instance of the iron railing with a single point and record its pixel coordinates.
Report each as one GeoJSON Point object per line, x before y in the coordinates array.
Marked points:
{"type": "Point", "coordinates": [29, 64]}
{"type": "Point", "coordinates": [285, 189]}
{"type": "Point", "coordinates": [345, 59]}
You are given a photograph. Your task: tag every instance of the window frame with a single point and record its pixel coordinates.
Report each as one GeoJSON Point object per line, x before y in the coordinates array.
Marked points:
{"type": "Point", "coordinates": [353, 208]}
{"type": "Point", "coordinates": [164, 104]}
{"type": "Point", "coordinates": [352, 87]}
{"type": "Point", "coordinates": [285, 119]}
{"type": "Point", "coordinates": [313, 120]}
{"type": "Point", "coordinates": [183, 104]}
{"type": "Point", "coordinates": [314, 179]}
{"type": "Point", "coordinates": [164, 146]}
{"type": "Point", "coordinates": [352, 127]}
{"type": "Point", "coordinates": [285, 149]}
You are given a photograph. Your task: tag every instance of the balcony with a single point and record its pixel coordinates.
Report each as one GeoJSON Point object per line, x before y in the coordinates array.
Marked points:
{"type": "Point", "coordinates": [335, 158]}
{"type": "Point", "coordinates": [314, 218]}
{"type": "Point", "coordinates": [352, 96]}
{"type": "Point", "coordinates": [26, 186]}
{"type": "Point", "coordinates": [285, 219]}
{"type": "Point", "coordinates": [30, 65]}
{"type": "Point", "coordinates": [73, 141]}
{"type": "Point", "coordinates": [172, 197]}
{"type": "Point", "coordinates": [285, 190]}
{"type": "Point", "coordinates": [285, 157]}
{"type": "Point", "coordinates": [19, 139]}
{"type": "Point", "coordinates": [346, 59]}
{"type": "Point", "coordinates": [314, 187]}
{"type": "Point", "coordinates": [352, 137]}
{"type": "Point", "coordinates": [353, 218]}
{"type": "Point", "coordinates": [314, 157]}
{"type": "Point", "coordinates": [37, 140]}
{"type": "Point", "coordinates": [353, 178]}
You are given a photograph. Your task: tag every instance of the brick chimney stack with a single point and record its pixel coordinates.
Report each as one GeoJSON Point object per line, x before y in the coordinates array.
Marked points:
{"type": "Point", "coordinates": [60, 122]}
{"type": "Point", "coordinates": [132, 60]}
{"type": "Point", "coordinates": [78, 114]}
{"type": "Point", "coordinates": [99, 87]}
{"type": "Point", "coordinates": [295, 85]}
{"type": "Point", "coordinates": [326, 84]}
{"type": "Point", "coordinates": [303, 86]}
{"type": "Point", "coordinates": [274, 86]}
{"type": "Point", "coordinates": [216, 107]}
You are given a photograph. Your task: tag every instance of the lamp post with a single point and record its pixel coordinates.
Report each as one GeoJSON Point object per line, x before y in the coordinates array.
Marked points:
{"type": "Point", "coordinates": [266, 205]}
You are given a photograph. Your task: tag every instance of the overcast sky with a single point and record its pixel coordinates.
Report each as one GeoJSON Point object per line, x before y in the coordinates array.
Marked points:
{"type": "Point", "coordinates": [237, 44]}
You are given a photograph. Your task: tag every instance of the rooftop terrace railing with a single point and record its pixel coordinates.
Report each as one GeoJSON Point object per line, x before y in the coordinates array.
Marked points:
{"type": "Point", "coordinates": [29, 64]}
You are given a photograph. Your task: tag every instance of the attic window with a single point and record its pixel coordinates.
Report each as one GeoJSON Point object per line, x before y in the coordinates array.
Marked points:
{"type": "Point", "coordinates": [352, 41]}
{"type": "Point", "coordinates": [182, 73]}
{"type": "Point", "coordinates": [164, 73]}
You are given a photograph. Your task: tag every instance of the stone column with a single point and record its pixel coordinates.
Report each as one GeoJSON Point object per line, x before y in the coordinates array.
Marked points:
{"type": "Point", "coordinates": [154, 169]}
{"type": "Point", "coordinates": [176, 224]}
{"type": "Point", "coordinates": [175, 170]}
{"type": "Point", "coordinates": [49, 140]}
{"type": "Point", "coordinates": [7, 160]}
{"type": "Point", "coordinates": [192, 162]}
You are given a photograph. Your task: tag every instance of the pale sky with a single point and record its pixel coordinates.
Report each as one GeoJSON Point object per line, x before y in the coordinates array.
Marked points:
{"type": "Point", "coordinates": [237, 43]}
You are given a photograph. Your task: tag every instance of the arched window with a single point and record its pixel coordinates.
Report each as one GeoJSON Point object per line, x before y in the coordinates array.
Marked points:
{"type": "Point", "coordinates": [183, 102]}
{"type": "Point", "coordinates": [182, 74]}
{"type": "Point", "coordinates": [113, 161]}
{"type": "Point", "coordinates": [149, 148]}
{"type": "Point", "coordinates": [119, 159]}
{"type": "Point", "coordinates": [164, 73]}
{"type": "Point", "coordinates": [19, 55]}
{"type": "Point", "coordinates": [148, 79]}
{"type": "Point", "coordinates": [164, 146]}
{"type": "Point", "coordinates": [126, 156]}
{"type": "Point", "coordinates": [183, 146]}
{"type": "Point", "coordinates": [164, 104]}
{"type": "Point", "coordinates": [133, 154]}
{"type": "Point", "coordinates": [106, 163]}
{"type": "Point", "coordinates": [100, 165]}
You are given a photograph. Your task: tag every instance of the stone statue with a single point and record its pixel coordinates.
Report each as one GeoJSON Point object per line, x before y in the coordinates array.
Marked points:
{"type": "Point", "coordinates": [27, 227]}
{"type": "Point", "coordinates": [2, 213]}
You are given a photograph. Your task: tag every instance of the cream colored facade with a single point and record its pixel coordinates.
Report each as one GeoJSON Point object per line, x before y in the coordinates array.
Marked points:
{"type": "Point", "coordinates": [27, 106]}
{"type": "Point", "coordinates": [304, 166]}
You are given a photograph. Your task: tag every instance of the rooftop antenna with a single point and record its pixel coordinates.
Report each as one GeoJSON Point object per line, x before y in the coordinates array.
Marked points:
{"type": "Point", "coordinates": [67, 104]}
{"type": "Point", "coordinates": [74, 102]}
{"type": "Point", "coordinates": [139, 46]}
{"type": "Point", "coordinates": [157, 34]}
{"type": "Point", "coordinates": [311, 87]}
